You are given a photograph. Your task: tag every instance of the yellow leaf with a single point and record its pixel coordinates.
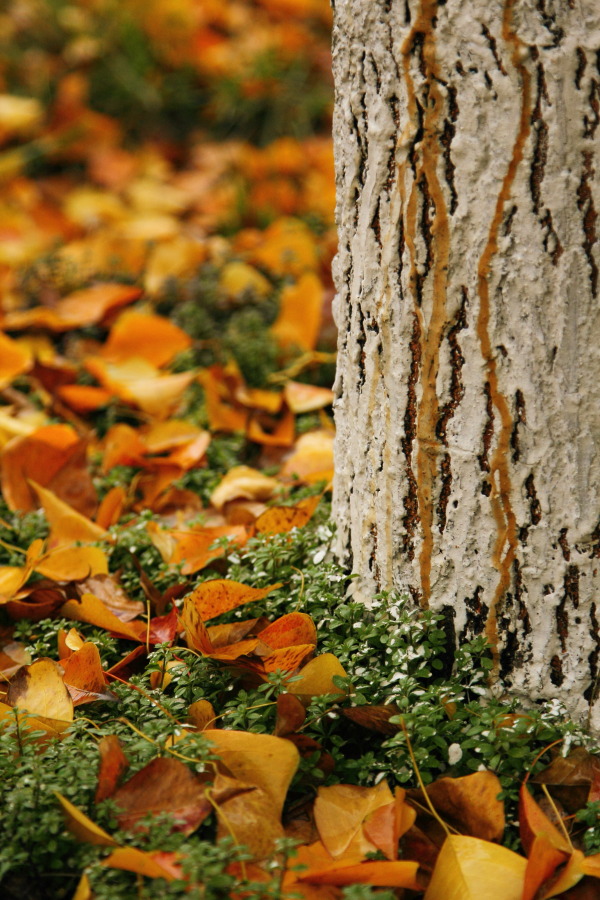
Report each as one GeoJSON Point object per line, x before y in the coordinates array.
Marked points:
{"type": "Point", "coordinates": [82, 827]}
{"type": "Point", "coordinates": [262, 760]}
{"type": "Point", "coordinates": [340, 810]}
{"type": "Point", "coordinates": [299, 319]}
{"type": "Point", "coordinates": [66, 524]}
{"type": "Point", "coordinates": [133, 860]}
{"type": "Point", "coordinates": [471, 869]}
{"type": "Point", "coordinates": [39, 689]}
{"type": "Point", "coordinates": [316, 678]}
{"type": "Point", "coordinates": [72, 563]}
{"type": "Point", "coordinates": [245, 482]}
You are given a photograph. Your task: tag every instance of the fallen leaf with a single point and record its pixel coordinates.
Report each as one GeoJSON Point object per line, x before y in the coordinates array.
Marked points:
{"type": "Point", "coordinates": [303, 398]}
{"type": "Point", "coordinates": [312, 458]}
{"type": "Point", "coordinates": [299, 320]}
{"type": "Point", "coordinates": [107, 589]}
{"type": "Point", "coordinates": [340, 810]}
{"type": "Point", "coordinates": [83, 307]}
{"type": "Point", "coordinates": [113, 765]}
{"type": "Point", "coordinates": [152, 865]}
{"type": "Point", "coordinates": [84, 676]}
{"type": "Point", "coordinates": [151, 337]}
{"type": "Point", "coordinates": [470, 804]}
{"type": "Point", "coordinates": [14, 358]}
{"type": "Point", "coordinates": [571, 777]}
{"type": "Point", "coordinates": [375, 718]}
{"type": "Point", "coordinates": [164, 785]}
{"type": "Point", "coordinates": [316, 678]}
{"type": "Point", "coordinates": [533, 823]}
{"type": "Point", "coordinates": [289, 630]}
{"type": "Point", "coordinates": [39, 689]}
{"type": "Point", "coordinates": [290, 715]}
{"type": "Point", "coordinates": [67, 526]}
{"type": "Point", "coordinates": [213, 598]}
{"type": "Point", "coordinates": [281, 519]}
{"type": "Point", "coordinates": [92, 610]}
{"type": "Point", "coordinates": [261, 760]}
{"type": "Point", "coordinates": [468, 868]}
{"type": "Point", "coordinates": [542, 862]}
{"type": "Point", "coordinates": [245, 812]}
{"type": "Point", "coordinates": [244, 482]}
{"type": "Point", "coordinates": [82, 827]}
{"type": "Point", "coordinates": [202, 714]}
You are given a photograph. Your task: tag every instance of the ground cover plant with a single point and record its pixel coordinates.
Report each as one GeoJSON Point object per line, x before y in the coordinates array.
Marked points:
{"type": "Point", "coordinates": [190, 704]}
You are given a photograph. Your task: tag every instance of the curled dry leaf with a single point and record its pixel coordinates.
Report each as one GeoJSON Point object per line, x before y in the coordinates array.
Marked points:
{"type": "Point", "coordinates": [92, 610]}
{"type": "Point", "coordinates": [246, 483]}
{"type": "Point", "coordinates": [39, 690]}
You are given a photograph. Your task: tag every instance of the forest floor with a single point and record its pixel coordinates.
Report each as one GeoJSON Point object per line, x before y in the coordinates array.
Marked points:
{"type": "Point", "coordinates": [190, 704]}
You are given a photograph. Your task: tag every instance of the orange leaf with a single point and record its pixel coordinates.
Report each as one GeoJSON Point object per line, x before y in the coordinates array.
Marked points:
{"type": "Point", "coordinates": [84, 307]}
{"type": "Point", "coordinates": [91, 609]}
{"type": "Point", "coordinates": [195, 548]}
{"type": "Point", "coordinates": [84, 675]}
{"type": "Point", "coordinates": [401, 874]}
{"type": "Point", "coordinates": [196, 634]}
{"type": "Point", "coordinates": [312, 459]}
{"type": "Point", "coordinates": [303, 398]}
{"type": "Point", "coordinates": [246, 811]}
{"type": "Point", "coordinates": [113, 763]}
{"type": "Point", "coordinates": [202, 714]}
{"type": "Point", "coordinates": [14, 359]}
{"type": "Point", "coordinates": [111, 507]}
{"type": "Point", "coordinates": [543, 860]}
{"type": "Point", "coordinates": [152, 865]}
{"type": "Point", "coordinates": [290, 715]}
{"type": "Point", "coordinates": [138, 382]}
{"type": "Point", "coordinates": [567, 877]}
{"type": "Point", "coordinates": [280, 519]}
{"type": "Point", "coordinates": [66, 525]}
{"type": "Point", "coordinates": [533, 823]}
{"type": "Point", "coordinates": [84, 398]}
{"type": "Point", "coordinates": [72, 563]}
{"type": "Point", "coordinates": [82, 827]}
{"type": "Point", "coordinates": [468, 868]}
{"type": "Point", "coordinates": [471, 804]}
{"type": "Point", "coordinates": [386, 825]}
{"type": "Point", "coordinates": [123, 446]}
{"type": "Point", "coordinates": [299, 320]}
{"type": "Point", "coordinates": [244, 482]}
{"type": "Point", "coordinates": [281, 434]}
{"type": "Point", "coordinates": [213, 598]}
{"type": "Point", "coordinates": [293, 628]}
{"type": "Point", "coordinates": [340, 810]}
{"type": "Point", "coordinates": [51, 453]}
{"type": "Point", "coordinates": [153, 338]}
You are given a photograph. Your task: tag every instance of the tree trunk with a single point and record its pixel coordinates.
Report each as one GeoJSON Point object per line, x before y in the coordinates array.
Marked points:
{"type": "Point", "coordinates": [468, 459]}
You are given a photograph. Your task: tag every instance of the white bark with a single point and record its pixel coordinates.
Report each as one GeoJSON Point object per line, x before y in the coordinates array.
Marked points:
{"type": "Point", "coordinates": [468, 457]}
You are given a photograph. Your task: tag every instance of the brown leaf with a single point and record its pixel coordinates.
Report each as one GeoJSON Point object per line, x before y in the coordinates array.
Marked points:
{"type": "Point", "coordinates": [571, 777]}
{"type": "Point", "coordinates": [164, 785]}
{"type": "Point", "coordinates": [246, 813]}
{"type": "Point", "coordinates": [202, 713]}
{"type": "Point", "coordinates": [107, 589]}
{"type": "Point", "coordinates": [290, 715]}
{"type": "Point", "coordinates": [113, 764]}
{"type": "Point", "coordinates": [470, 804]}
{"type": "Point", "coordinates": [84, 676]}
{"type": "Point", "coordinates": [375, 718]}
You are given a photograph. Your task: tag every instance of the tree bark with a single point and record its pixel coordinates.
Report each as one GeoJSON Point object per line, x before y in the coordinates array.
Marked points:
{"type": "Point", "coordinates": [468, 457]}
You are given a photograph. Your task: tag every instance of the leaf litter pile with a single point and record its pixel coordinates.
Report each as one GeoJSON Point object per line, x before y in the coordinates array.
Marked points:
{"type": "Point", "coordinates": [190, 705]}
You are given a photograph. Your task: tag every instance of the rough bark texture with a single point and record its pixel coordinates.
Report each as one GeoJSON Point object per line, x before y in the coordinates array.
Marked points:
{"type": "Point", "coordinates": [468, 460]}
